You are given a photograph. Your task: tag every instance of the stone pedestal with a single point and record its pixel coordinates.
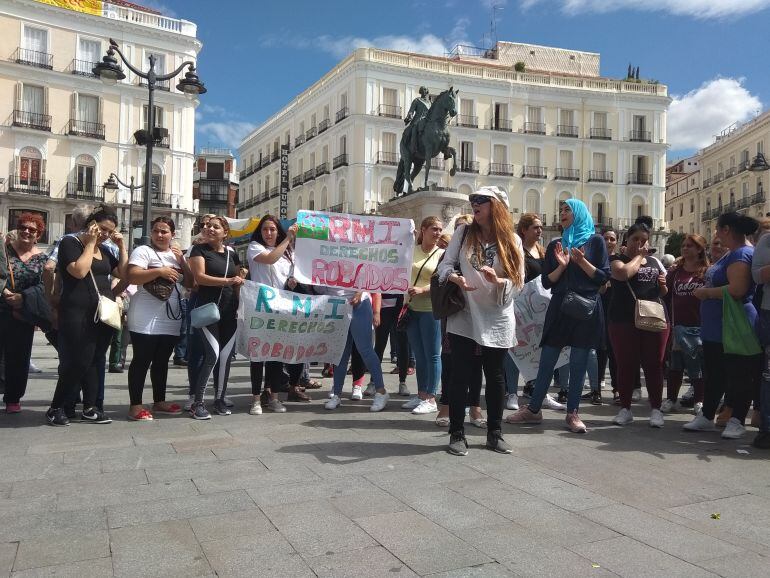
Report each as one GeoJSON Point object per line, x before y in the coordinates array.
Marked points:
{"type": "Point", "coordinates": [445, 204]}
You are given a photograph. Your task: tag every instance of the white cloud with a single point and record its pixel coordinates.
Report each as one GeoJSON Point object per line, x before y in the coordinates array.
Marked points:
{"type": "Point", "coordinates": [694, 118]}
{"type": "Point", "coordinates": [226, 133]}
{"type": "Point", "coordinates": [341, 47]}
{"type": "Point", "coordinates": [702, 9]}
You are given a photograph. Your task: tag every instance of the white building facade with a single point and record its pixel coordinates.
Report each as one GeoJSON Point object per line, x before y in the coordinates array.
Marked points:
{"type": "Point", "coordinates": [66, 131]}
{"type": "Point", "coordinates": [541, 135]}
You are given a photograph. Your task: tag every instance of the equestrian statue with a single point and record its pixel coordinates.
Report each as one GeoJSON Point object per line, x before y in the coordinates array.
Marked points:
{"type": "Point", "coordinates": [425, 136]}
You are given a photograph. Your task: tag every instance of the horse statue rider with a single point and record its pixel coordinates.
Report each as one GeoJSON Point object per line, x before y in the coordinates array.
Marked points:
{"type": "Point", "coordinates": [417, 112]}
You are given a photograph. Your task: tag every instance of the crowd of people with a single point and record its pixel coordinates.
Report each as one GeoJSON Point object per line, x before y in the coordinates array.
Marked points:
{"type": "Point", "coordinates": [612, 303]}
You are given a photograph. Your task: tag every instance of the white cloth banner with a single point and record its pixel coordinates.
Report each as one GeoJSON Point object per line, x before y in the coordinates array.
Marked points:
{"type": "Point", "coordinates": [355, 252]}
{"type": "Point", "coordinates": [530, 307]}
{"type": "Point", "coordinates": [278, 325]}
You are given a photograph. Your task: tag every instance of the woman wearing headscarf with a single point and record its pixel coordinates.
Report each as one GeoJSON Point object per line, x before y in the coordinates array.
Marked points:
{"type": "Point", "coordinates": [575, 268]}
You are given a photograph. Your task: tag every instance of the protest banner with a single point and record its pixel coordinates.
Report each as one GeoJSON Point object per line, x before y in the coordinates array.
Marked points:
{"type": "Point", "coordinates": [530, 307]}
{"type": "Point", "coordinates": [278, 325]}
{"type": "Point", "coordinates": [357, 252]}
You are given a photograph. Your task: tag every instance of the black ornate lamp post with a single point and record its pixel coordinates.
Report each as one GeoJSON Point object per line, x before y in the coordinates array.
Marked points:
{"type": "Point", "coordinates": [110, 71]}
{"type": "Point", "coordinates": [112, 184]}
{"type": "Point", "coordinates": [759, 164]}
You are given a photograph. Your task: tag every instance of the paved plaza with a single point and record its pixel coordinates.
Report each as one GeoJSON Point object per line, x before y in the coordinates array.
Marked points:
{"type": "Point", "coordinates": [351, 493]}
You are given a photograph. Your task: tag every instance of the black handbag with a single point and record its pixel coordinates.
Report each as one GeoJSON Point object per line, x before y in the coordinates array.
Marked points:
{"type": "Point", "coordinates": [403, 316]}
{"type": "Point", "coordinates": [575, 305]}
{"type": "Point", "coordinates": [159, 287]}
{"type": "Point", "coordinates": [447, 298]}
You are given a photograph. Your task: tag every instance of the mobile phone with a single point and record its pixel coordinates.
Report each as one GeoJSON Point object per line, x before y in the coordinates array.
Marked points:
{"type": "Point", "coordinates": [651, 250]}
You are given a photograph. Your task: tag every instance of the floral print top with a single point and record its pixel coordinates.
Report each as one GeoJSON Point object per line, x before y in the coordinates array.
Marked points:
{"type": "Point", "coordinates": [25, 273]}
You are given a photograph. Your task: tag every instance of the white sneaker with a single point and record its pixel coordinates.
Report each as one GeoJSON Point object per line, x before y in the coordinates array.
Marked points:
{"type": "Point", "coordinates": [636, 395]}
{"type": "Point", "coordinates": [551, 403]}
{"type": "Point", "coordinates": [333, 403]}
{"type": "Point", "coordinates": [403, 390]}
{"type": "Point", "coordinates": [357, 393]}
{"type": "Point", "coordinates": [700, 423]}
{"type": "Point", "coordinates": [601, 384]}
{"type": "Point", "coordinates": [379, 402]}
{"type": "Point", "coordinates": [256, 407]}
{"type": "Point", "coordinates": [512, 401]}
{"type": "Point", "coordinates": [669, 406]}
{"type": "Point", "coordinates": [189, 403]}
{"type": "Point", "coordinates": [34, 368]}
{"type": "Point", "coordinates": [425, 406]}
{"type": "Point", "coordinates": [697, 409]}
{"type": "Point", "coordinates": [413, 402]}
{"type": "Point", "coordinates": [370, 389]}
{"type": "Point", "coordinates": [733, 430]}
{"type": "Point", "coordinates": [624, 417]}
{"type": "Point", "coordinates": [656, 418]}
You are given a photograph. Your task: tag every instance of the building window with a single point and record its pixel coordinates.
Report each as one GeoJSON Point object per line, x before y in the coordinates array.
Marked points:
{"type": "Point", "coordinates": [158, 116]}
{"type": "Point", "coordinates": [30, 167]}
{"type": "Point", "coordinates": [389, 142]}
{"type": "Point", "coordinates": [692, 205]}
{"type": "Point", "coordinates": [84, 173]}
{"type": "Point", "coordinates": [33, 99]}
{"type": "Point", "coordinates": [215, 171]}
{"type": "Point", "coordinates": [35, 39]}
{"type": "Point", "coordinates": [157, 182]}
{"type": "Point", "coordinates": [88, 108]}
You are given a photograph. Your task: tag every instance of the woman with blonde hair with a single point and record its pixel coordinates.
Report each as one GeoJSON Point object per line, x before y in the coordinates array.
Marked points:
{"type": "Point", "coordinates": [485, 260]}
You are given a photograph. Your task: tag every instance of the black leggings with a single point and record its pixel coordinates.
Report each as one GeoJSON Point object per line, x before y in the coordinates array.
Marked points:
{"type": "Point", "coordinates": [474, 388]}
{"type": "Point", "coordinates": [463, 350]}
{"type": "Point", "coordinates": [82, 349]}
{"type": "Point", "coordinates": [273, 374]}
{"type": "Point", "coordinates": [218, 342]}
{"type": "Point", "coordinates": [149, 351]}
{"type": "Point", "coordinates": [735, 376]}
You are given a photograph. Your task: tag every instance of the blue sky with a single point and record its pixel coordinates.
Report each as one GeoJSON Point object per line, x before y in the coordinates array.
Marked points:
{"type": "Point", "coordinates": [713, 54]}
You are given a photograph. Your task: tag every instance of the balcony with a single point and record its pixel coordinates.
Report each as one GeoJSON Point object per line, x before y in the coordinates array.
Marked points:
{"type": "Point", "coordinates": [275, 155]}
{"type": "Point", "coordinates": [299, 141]}
{"type": "Point", "coordinates": [342, 114]}
{"type": "Point", "coordinates": [34, 120]}
{"type": "Point", "coordinates": [85, 192]}
{"type": "Point", "coordinates": [324, 125]}
{"type": "Point", "coordinates": [86, 129]}
{"type": "Point", "coordinates": [161, 200]}
{"type": "Point", "coordinates": [534, 127]}
{"type": "Point", "coordinates": [339, 208]}
{"type": "Point", "coordinates": [308, 175]}
{"type": "Point", "coordinates": [322, 169]}
{"type": "Point", "coordinates": [468, 167]}
{"type": "Point", "coordinates": [310, 133]}
{"type": "Point", "coordinates": [31, 187]}
{"type": "Point", "coordinates": [273, 193]}
{"type": "Point", "coordinates": [566, 130]}
{"type": "Point", "coordinates": [213, 191]}
{"type": "Point", "coordinates": [743, 166]}
{"type": "Point", "coordinates": [532, 172]}
{"type": "Point", "coordinates": [640, 136]}
{"type": "Point", "coordinates": [296, 181]}
{"type": "Point", "coordinates": [33, 58]}
{"type": "Point", "coordinates": [389, 111]}
{"type": "Point", "coordinates": [731, 172]}
{"type": "Point", "coordinates": [639, 179]}
{"type": "Point", "coordinates": [247, 204]}
{"type": "Point", "coordinates": [706, 215]}
{"type": "Point", "coordinates": [164, 142]}
{"type": "Point", "coordinates": [758, 198]}
{"type": "Point", "coordinates": [599, 176]}
{"type": "Point", "coordinates": [468, 121]}
{"type": "Point", "coordinates": [83, 68]}
{"type": "Point", "coordinates": [387, 158]}
{"type": "Point", "coordinates": [567, 174]}
{"type": "Point", "coordinates": [708, 182]}
{"type": "Point", "coordinates": [501, 124]}
{"type": "Point", "coordinates": [601, 133]}
{"type": "Point", "coordinates": [500, 169]}
{"type": "Point", "coordinates": [159, 84]}
{"type": "Point", "coordinates": [340, 161]}
{"type": "Point", "coordinates": [719, 177]}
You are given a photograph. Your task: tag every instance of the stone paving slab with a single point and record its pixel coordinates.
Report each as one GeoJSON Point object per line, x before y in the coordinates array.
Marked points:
{"type": "Point", "coordinates": [351, 493]}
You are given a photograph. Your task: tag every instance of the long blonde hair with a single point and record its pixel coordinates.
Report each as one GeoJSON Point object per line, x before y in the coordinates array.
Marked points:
{"type": "Point", "coordinates": [525, 222]}
{"type": "Point", "coordinates": [508, 253]}
{"type": "Point", "coordinates": [427, 222]}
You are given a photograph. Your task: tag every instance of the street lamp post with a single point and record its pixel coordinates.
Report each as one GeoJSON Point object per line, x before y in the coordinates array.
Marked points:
{"type": "Point", "coordinates": [111, 72]}
{"type": "Point", "coordinates": [112, 184]}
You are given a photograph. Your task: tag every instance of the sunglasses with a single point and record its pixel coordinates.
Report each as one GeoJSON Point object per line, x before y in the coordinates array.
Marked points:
{"type": "Point", "coordinates": [30, 229]}
{"type": "Point", "coordinates": [479, 199]}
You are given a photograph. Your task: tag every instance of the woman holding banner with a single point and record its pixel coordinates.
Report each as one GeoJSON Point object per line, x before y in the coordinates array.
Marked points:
{"type": "Point", "coordinates": [485, 260]}
{"type": "Point", "coordinates": [270, 263]}
{"type": "Point", "coordinates": [575, 268]}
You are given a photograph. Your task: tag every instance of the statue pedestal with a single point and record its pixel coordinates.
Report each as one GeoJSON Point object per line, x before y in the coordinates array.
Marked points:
{"type": "Point", "coordinates": [444, 204]}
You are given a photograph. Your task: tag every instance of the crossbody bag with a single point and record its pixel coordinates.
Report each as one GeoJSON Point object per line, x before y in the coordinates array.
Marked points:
{"type": "Point", "coordinates": [208, 314]}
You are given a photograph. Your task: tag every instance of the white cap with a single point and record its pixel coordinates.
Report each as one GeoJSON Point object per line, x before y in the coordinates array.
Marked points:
{"type": "Point", "coordinates": [494, 193]}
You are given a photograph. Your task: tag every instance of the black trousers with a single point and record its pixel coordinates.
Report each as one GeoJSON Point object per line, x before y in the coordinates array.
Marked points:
{"type": "Point", "coordinates": [273, 374]}
{"type": "Point", "coordinates": [151, 352]}
{"type": "Point", "coordinates": [82, 349]}
{"type": "Point", "coordinates": [492, 358]}
{"type": "Point", "coordinates": [16, 349]}
{"type": "Point", "coordinates": [734, 376]}
{"type": "Point", "coordinates": [474, 388]}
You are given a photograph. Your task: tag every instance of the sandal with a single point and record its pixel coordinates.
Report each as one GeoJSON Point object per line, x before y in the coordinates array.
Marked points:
{"type": "Point", "coordinates": [170, 409]}
{"type": "Point", "coordinates": [479, 422]}
{"type": "Point", "coordinates": [313, 384]}
{"type": "Point", "coordinates": [442, 421]}
{"type": "Point", "coordinates": [296, 395]}
{"type": "Point", "coordinates": [143, 415]}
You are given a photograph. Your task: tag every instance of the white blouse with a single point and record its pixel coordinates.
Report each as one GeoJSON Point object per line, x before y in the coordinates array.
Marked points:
{"type": "Point", "coordinates": [488, 317]}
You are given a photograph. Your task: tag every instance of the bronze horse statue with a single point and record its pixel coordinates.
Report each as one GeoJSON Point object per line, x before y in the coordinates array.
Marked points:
{"type": "Point", "coordinates": [432, 138]}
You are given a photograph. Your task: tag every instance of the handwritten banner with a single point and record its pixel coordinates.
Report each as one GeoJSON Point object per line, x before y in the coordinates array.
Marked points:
{"type": "Point", "coordinates": [361, 253]}
{"type": "Point", "coordinates": [530, 307]}
{"type": "Point", "coordinates": [277, 325]}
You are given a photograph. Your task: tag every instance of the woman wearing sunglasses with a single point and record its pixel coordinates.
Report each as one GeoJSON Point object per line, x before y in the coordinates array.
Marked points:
{"type": "Point", "coordinates": [486, 261]}
{"type": "Point", "coordinates": [576, 267]}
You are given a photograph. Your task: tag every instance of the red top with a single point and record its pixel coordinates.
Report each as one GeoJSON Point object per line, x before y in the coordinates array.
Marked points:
{"type": "Point", "coordinates": [683, 305]}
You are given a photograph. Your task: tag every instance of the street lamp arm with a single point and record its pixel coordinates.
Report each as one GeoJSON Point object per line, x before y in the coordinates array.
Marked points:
{"type": "Point", "coordinates": [171, 75]}
{"type": "Point", "coordinates": [114, 46]}
{"type": "Point", "coordinates": [121, 183]}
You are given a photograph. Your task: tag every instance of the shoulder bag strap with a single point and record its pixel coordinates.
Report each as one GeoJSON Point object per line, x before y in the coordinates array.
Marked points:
{"type": "Point", "coordinates": [227, 268]}
{"type": "Point", "coordinates": [423, 266]}
{"type": "Point", "coordinates": [10, 269]}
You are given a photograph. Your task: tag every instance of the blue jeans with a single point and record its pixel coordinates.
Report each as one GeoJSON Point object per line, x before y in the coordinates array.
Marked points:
{"type": "Point", "coordinates": [511, 375]}
{"type": "Point", "coordinates": [424, 334]}
{"type": "Point", "coordinates": [361, 333]}
{"type": "Point", "coordinates": [578, 360]}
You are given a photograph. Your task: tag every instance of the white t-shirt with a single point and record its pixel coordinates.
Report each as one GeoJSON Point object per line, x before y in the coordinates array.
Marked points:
{"type": "Point", "coordinates": [274, 275]}
{"type": "Point", "coordinates": [148, 314]}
